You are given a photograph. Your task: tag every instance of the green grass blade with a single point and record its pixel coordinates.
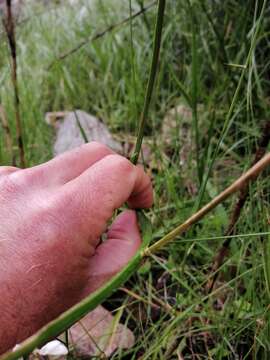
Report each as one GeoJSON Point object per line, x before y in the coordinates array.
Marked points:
{"type": "Point", "coordinates": [227, 122]}
{"type": "Point", "coordinates": [83, 133]}
{"type": "Point", "coordinates": [151, 81]}
{"type": "Point", "coordinates": [266, 260]}
{"type": "Point", "coordinates": [194, 87]}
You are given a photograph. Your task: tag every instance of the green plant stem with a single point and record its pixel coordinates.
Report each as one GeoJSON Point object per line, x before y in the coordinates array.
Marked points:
{"type": "Point", "coordinates": [151, 80]}
{"type": "Point", "coordinates": [132, 61]}
{"type": "Point", "coordinates": [83, 133]}
{"type": "Point", "coordinates": [194, 89]}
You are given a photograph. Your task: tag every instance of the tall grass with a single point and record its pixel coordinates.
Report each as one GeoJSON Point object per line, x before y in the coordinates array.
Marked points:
{"type": "Point", "coordinates": [214, 55]}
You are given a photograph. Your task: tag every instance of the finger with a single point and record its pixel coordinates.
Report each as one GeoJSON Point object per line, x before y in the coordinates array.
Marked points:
{"type": "Point", "coordinates": [104, 187]}
{"type": "Point", "coordinates": [68, 165]}
{"type": "Point", "coordinates": [111, 256]}
{"type": "Point", "coordinates": [142, 197]}
{"type": "Point", "coordinates": [6, 170]}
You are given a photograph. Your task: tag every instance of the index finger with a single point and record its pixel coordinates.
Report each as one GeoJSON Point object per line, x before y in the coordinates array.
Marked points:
{"type": "Point", "coordinates": [106, 186]}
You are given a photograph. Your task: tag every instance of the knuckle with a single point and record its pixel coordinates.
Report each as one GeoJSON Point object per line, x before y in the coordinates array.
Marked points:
{"type": "Point", "coordinates": [96, 146]}
{"type": "Point", "coordinates": [123, 165]}
{"type": "Point", "coordinates": [20, 181]}
{"type": "Point", "coordinates": [22, 178]}
{"type": "Point", "coordinates": [47, 217]}
{"type": "Point", "coordinates": [6, 170]}
{"type": "Point", "coordinates": [12, 183]}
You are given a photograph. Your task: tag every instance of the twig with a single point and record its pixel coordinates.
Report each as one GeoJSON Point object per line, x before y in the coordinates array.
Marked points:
{"type": "Point", "coordinates": [151, 80]}
{"type": "Point", "coordinates": [242, 198]}
{"type": "Point", "coordinates": [10, 31]}
{"type": "Point", "coordinates": [140, 298]}
{"type": "Point", "coordinates": [239, 184]}
{"type": "Point", "coordinates": [7, 131]}
{"type": "Point", "coordinates": [146, 21]}
{"type": "Point", "coordinates": [222, 54]}
{"type": "Point", "coordinates": [100, 34]}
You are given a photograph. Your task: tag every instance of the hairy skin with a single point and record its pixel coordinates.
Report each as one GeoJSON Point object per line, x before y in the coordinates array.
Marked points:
{"type": "Point", "coordinates": [51, 220]}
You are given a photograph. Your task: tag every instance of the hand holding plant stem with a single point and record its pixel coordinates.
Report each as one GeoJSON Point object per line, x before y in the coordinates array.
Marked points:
{"type": "Point", "coordinates": [75, 313]}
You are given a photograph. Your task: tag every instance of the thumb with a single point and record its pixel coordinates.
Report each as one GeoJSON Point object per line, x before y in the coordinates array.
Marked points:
{"type": "Point", "coordinates": [111, 256]}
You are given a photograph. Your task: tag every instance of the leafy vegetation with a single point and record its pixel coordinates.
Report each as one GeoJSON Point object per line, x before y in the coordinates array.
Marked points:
{"type": "Point", "coordinates": [214, 64]}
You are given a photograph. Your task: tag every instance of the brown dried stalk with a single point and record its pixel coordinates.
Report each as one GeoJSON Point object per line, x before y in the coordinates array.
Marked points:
{"type": "Point", "coordinates": [239, 184]}
{"type": "Point", "coordinates": [9, 26]}
{"type": "Point", "coordinates": [7, 131]}
{"type": "Point", "coordinates": [242, 198]}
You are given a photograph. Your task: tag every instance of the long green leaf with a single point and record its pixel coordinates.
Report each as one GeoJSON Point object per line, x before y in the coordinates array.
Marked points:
{"type": "Point", "coordinates": [151, 80]}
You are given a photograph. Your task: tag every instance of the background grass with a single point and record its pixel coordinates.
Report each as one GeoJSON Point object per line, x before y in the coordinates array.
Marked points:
{"type": "Point", "coordinates": [205, 46]}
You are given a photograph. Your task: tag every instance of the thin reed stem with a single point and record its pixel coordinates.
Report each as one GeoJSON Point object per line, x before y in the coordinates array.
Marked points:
{"type": "Point", "coordinates": [132, 62]}
{"type": "Point", "coordinates": [241, 182]}
{"type": "Point", "coordinates": [239, 205]}
{"type": "Point", "coordinates": [10, 32]}
{"type": "Point", "coordinates": [151, 80]}
{"type": "Point", "coordinates": [8, 136]}
{"type": "Point", "coordinates": [194, 87]}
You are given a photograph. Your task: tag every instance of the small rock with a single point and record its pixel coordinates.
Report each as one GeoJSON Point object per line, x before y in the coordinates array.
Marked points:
{"type": "Point", "coordinates": [99, 333]}
{"type": "Point", "coordinates": [69, 136]}
{"type": "Point", "coordinates": [54, 348]}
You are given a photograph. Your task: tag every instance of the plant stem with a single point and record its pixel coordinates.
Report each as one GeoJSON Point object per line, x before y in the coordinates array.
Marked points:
{"type": "Point", "coordinates": [241, 182]}
{"type": "Point", "coordinates": [132, 62]}
{"type": "Point", "coordinates": [8, 135]}
{"type": "Point", "coordinates": [83, 133]}
{"type": "Point", "coordinates": [239, 205]}
{"type": "Point", "coordinates": [194, 87]}
{"type": "Point", "coordinates": [151, 80]}
{"type": "Point", "coordinates": [10, 31]}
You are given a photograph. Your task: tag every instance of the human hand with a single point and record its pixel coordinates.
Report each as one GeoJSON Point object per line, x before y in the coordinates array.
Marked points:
{"type": "Point", "coordinates": [51, 220]}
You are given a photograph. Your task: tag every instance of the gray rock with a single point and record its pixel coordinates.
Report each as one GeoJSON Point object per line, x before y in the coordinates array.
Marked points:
{"type": "Point", "coordinates": [69, 136]}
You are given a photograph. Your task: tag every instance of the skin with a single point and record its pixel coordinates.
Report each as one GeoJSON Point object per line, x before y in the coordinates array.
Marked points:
{"type": "Point", "coordinates": [51, 220]}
